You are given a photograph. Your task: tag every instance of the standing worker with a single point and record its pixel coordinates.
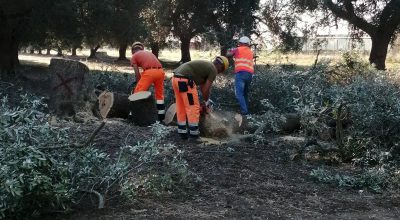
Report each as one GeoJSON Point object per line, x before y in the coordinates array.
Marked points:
{"type": "Point", "coordinates": [153, 73]}
{"type": "Point", "coordinates": [184, 82]}
{"type": "Point", "coordinates": [244, 70]}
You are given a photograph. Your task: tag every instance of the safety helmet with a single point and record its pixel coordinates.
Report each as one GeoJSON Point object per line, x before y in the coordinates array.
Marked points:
{"type": "Point", "coordinates": [223, 60]}
{"type": "Point", "coordinates": [244, 40]}
{"type": "Point", "coordinates": [138, 45]}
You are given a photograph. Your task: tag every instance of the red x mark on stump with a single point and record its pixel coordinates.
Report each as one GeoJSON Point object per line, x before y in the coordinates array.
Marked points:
{"type": "Point", "coordinates": [64, 83]}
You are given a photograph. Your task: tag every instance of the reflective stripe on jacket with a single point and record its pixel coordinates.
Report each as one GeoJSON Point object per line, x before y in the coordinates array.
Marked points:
{"type": "Point", "coordinates": [244, 60]}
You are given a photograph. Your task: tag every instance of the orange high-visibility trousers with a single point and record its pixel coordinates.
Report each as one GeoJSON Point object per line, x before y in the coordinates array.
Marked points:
{"type": "Point", "coordinates": [187, 106]}
{"type": "Point", "coordinates": [156, 77]}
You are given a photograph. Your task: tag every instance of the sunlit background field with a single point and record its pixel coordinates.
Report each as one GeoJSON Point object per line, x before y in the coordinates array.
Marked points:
{"type": "Point", "coordinates": [108, 56]}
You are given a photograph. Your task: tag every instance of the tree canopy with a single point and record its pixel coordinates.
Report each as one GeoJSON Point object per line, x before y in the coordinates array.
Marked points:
{"type": "Point", "coordinates": [57, 24]}
{"type": "Point", "coordinates": [380, 19]}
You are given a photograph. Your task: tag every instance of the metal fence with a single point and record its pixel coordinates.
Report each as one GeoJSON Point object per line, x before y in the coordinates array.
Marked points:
{"type": "Point", "coordinates": [337, 43]}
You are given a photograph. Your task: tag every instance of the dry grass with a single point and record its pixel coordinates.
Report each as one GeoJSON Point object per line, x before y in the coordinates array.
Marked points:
{"type": "Point", "coordinates": [109, 55]}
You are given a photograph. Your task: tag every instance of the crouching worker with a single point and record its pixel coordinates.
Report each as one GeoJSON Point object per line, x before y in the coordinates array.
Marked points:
{"type": "Point", "coordinates": [185, 81]}
{"type": "Point", "coordinates": [153, 73]}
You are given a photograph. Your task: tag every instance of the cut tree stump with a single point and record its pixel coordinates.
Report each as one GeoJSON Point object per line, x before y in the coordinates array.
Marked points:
{"type": "Point", "coordinates": [221, 124]}
{"type": "Point", "coordinates": [140, 108]}
{"type": "Point", "coordinates": [113, 105]}
{"type": "Point", "coordinates": [70, 93]}
{"type": "Point", "coordinates": [216, 124]}
{"type": "Point", "coordinates": [143, 108]}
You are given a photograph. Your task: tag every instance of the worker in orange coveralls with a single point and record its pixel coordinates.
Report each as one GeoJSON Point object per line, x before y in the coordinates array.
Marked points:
{"type": "Point", "coordinates": [153, 73]}
{"type": "Point", "coordinates": [185, 81]}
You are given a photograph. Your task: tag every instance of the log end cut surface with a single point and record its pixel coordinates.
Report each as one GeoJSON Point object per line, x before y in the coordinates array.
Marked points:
{"type": "Point", "coordinates": [139, 96]}
{"type": "Point", "coordinates": [170, 114]}
{"type": "Point", "coordinates": [106, 101]}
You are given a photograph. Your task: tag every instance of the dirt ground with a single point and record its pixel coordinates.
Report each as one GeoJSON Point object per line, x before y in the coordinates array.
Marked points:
{"type": "Point", "coordinates": [246, 181]}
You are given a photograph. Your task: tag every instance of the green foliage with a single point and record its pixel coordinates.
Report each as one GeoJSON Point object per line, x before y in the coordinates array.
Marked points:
{"type": "Point", "coordinates": [232, 18]}
{"type": "Point", "coordinates": [284, 20]}
{"type": "Point", "coordinates": [374, 179]}
{"type": "Point", "coordinates": [374, 105]}
{"type": "Point", "coordinates": [348, 68]}
{"type": "Point", "coordinates": [366, 101]}
{"type": "Point", "coordinates": [126, 25]}
{"type": "Point", "coordinates": [290, 42]}
{"type": "Point", "coordinates": [94, 20]}
{"type": "Point", "coordinates": [31, 180]}
{"type": "Point", "coordinates": [369, 98]}
{"type": "Point", "coordinates": [111, 81]}
{"type": "Point", "coordinates": [41, 171]}
{"type": "Point", "coordinates": [371, 103]}
{"type": "Point", "coordinates": [157, 22]}
{"type": "Point", "coordinates": [160, 167]}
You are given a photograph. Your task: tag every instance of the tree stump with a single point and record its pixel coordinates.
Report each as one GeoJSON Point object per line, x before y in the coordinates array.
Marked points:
{"type": "Point", "coordinates": [70, 93]}
{"type": "Point", "coordinates": [216, 124]}
{"type": "Point", "coordinates": [143, 109]}
{"type": "Point", "coordinates": [113, 105]}
{"type": "Point", "coordinates": [291, 123]}
{"type": "Point", "coordinates": [140, 108]}
{"type": "Point", "coordinates": [220, 124]}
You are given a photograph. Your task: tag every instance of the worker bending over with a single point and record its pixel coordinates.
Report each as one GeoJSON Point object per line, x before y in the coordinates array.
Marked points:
{"type": "Point", "coordinates": [185, 81]}
{"type": "Point", "coordinates": [153, 73]}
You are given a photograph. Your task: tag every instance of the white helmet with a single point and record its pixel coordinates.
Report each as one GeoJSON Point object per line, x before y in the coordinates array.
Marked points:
{"type": "Point", "coordinates": [244, 40]}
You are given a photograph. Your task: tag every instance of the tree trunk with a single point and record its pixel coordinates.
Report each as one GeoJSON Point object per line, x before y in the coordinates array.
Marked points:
{"type": "Point", "coordinates": [223, 50]}
{"type": "Point", "coordinates": [70, 91]}
{"type": "Point", "coordinates": [93, 52]}
{"type": "Point", "coordinates": [140, 108]}
{"type": "Point", "coordinates": [48, 51]}
{"type": "Point", "coordinates": [59, 52]}
{"type": "Point", "coordinates": [155, 49]}
{"type": "Point", "coordinates": [221, 124]}
{"type": "Point", "coordinates": [185, 49]}
{"type": "Point", "coordinates": [380, 44]}
{"type": "Point", "coordinates": [74, 51]}
{"type": "Point", "coordinates": [8, 48]}
{"type": "Point", "coordinates": [290, 123]}
{"type": "Point", "coordinates": [32, 51]}
{"type": "Point", "coordinates": [122, 51]}
{"type": "Point", "coordinates": [113, 105]}
{"type": "Point", "coordinates": [40, 51]}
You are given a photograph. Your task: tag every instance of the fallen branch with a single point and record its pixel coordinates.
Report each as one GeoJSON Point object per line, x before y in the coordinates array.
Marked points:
{"type": "Point", "coordinates": [80, 145]}
{"type": "Point", "coordinates": [99, 196]}
{"type": "Point", "coordinates": [316, 59]}
{"type": "Point", "coordinates": [257, 132]}
{"type": "Point", "coordinates": [6, 83]}
{"type": "Point", "coordinates": [94, 134]}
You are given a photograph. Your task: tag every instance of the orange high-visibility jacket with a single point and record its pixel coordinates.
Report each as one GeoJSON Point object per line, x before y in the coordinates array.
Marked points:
{"type": "Point", "coordinates": [244, 60]}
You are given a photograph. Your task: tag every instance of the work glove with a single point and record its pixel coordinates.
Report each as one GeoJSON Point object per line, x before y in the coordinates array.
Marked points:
{"type": "Point", "coordinates": [206, 107]}
{"type": "Point", "coordinates": [209, 103]}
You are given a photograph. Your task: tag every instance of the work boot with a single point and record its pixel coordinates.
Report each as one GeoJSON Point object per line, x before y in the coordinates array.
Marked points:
{"type": "Point", "coordinates": [161, 117]}
{"type": "Point", "coordinates": [183, 136]}
{"type": "Point", "coordinates": [195, 139]}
